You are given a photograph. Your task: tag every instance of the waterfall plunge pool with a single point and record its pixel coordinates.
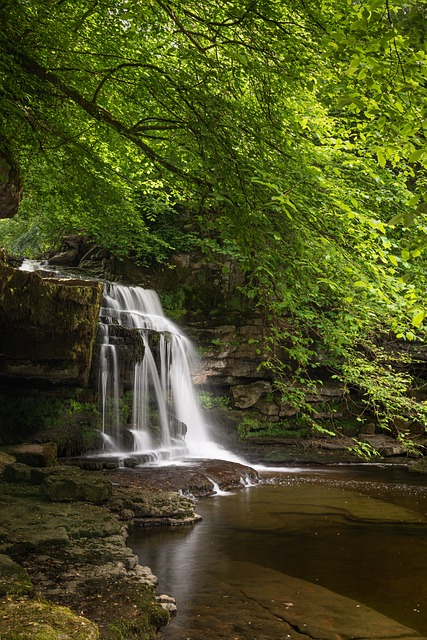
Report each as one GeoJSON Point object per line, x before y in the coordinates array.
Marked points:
{"type": "Point", "coordinates": [356, 531]}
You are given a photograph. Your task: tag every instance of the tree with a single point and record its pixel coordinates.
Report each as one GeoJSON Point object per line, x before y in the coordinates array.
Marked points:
{"type": "Point", "coordinates": [292, 133]}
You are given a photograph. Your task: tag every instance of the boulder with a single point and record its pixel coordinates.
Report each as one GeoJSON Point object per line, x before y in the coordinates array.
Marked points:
{"type": "Point", "coordinates": [247, 395]}
{"type": "Point", "coordinates": [35, 455]}
{"type": "Point", "coordinates": [17, 472]}
{"type": "Point", "coordinates": [70, 484]}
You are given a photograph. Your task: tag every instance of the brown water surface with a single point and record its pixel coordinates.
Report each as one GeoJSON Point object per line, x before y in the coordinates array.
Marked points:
{"type": "Point", "coordinates": [359, 532]}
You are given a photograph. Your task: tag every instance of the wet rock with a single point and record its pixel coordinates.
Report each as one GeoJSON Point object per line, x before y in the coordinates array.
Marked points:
{"type": "Point", "coordinates": [229, 476]}
{"type": "Point", "coordinates": [197, 480]}
{"type": "Point", "coordinates": [167, 602]}
{"type": "Point", "coordinates": [71, 484]}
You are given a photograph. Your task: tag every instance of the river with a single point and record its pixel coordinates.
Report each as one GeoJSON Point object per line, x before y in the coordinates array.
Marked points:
{"type": "Point", "coordinates": [357, 531]}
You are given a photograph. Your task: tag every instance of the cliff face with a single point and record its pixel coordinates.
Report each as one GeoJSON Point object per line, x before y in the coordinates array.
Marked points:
{"type": "Point", "coordinates": [47, 326]}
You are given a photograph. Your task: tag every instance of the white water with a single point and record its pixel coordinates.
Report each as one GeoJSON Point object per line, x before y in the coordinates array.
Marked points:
{"type": "Point", "coordinates": [35, 265]}
{"type": "Point", "coordinates": [166, 422]}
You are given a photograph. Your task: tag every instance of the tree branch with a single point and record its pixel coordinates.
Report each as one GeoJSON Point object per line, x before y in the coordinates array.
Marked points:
{"type": "Point", "coordinates": [102, 115]}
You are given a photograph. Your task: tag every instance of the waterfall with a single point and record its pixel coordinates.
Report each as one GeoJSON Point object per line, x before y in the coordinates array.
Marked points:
{"type": "Point", "coordinates": [144, 352]}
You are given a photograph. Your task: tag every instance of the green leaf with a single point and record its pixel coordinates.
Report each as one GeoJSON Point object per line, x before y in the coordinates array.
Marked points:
{"type": "Point", "coordinates": [418, 318]}
{"type": "Point", "coordinates": [416, 155]}
{"type": "Point", "coordinates": [396, 219]}
{"type": "Point", "coordinates": [381, 159]}
{"type": "Point", "coordinates": [414, 200]}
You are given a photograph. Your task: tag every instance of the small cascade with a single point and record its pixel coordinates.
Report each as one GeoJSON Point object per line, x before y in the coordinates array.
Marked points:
{"type": "Point", "coordinates": [146, 354]}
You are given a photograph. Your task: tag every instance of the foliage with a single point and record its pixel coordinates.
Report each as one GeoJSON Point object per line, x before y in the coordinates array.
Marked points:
{"type": "Point", "coordinates": [208, 400]}
{"type": "Point", "coordinates": [22, 416]}
{"type": "Point", "coordinates": [364, 450]}
{"type": "Point", "coordinates": [286, 136]}
{"type": "Point", "coordinates": [256, 427]}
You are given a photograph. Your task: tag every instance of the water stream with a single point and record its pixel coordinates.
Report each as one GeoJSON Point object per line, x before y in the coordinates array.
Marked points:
{"type": "Point", "coordinates": [356, 531]}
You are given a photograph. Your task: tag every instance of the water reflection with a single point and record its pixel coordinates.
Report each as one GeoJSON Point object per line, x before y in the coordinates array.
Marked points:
{"type": "Point", "coordinates": [357, 532]}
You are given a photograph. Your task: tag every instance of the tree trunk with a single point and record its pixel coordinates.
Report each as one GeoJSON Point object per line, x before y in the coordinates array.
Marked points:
{"type": "Point", "coordinates": [10, 182]}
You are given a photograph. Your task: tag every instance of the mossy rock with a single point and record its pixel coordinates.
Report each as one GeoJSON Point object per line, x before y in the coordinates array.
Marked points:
{"type": "Point", "coordinates": [14, 579]}
{"type": "Point", "coordinates": [127, 609]}
{"type": "Point", "coordinates": [17, 472]}
{"type": "Point", "coordinates": [70, 484]}
{"type": "Point", "coordinates": [35, 455]}
{"type": "Point", "coordinates": [47, 325]}
{"type": "Point", "coordinates": [420, 466]}
{"type": "Point", "coordinates": [5, 460]}
{"type": "Point", "coordinates": [26, 619]}
{"type": "Point", "coordinates": [152, 504]}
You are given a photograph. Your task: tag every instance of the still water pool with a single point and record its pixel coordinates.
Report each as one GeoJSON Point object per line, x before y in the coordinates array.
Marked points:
{"type": "Point", "coordinates": [357, 531]}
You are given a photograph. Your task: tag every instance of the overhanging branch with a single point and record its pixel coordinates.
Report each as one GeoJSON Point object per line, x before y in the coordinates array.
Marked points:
{"type": "Point", "coordinates": [102, 115]}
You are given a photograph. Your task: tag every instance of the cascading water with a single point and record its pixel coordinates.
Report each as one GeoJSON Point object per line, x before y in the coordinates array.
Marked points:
{"type": "Point", "coordinates": [166, 421]}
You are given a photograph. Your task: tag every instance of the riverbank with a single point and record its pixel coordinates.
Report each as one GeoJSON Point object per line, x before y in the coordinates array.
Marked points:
{"type": "Point", "coordinates": [63, 544]}
{"type": "Point", "coordinates": [66, 570]}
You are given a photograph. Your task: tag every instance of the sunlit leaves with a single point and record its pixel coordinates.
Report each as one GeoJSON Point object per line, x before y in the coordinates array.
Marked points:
{"type": "Point", "coordinates": [292, 135]}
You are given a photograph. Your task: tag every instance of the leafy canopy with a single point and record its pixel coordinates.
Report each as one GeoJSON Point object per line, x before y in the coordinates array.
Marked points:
{"type": "Point", "coordinates": [287, 135]}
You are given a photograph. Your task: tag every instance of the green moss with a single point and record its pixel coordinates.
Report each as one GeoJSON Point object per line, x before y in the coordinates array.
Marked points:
{"type": "Point", "coordinates": [26, 619]}
{"type": "Point", "coordinates": [73, 425]}
{"type": "Point", "coordinates": [21, 416]}
{"type": "Point", "coordinates": [139, 616]}
{"type": "Point", "coordinates": [14, 579]}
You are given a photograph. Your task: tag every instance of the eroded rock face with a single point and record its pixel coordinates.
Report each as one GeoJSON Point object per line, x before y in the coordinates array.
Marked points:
{"type": "Point", "coordinates": [47, 326]}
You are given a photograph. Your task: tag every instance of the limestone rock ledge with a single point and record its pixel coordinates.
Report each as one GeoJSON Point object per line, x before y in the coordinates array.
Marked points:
{"type": "Point", "coordinates": [47, 326]}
